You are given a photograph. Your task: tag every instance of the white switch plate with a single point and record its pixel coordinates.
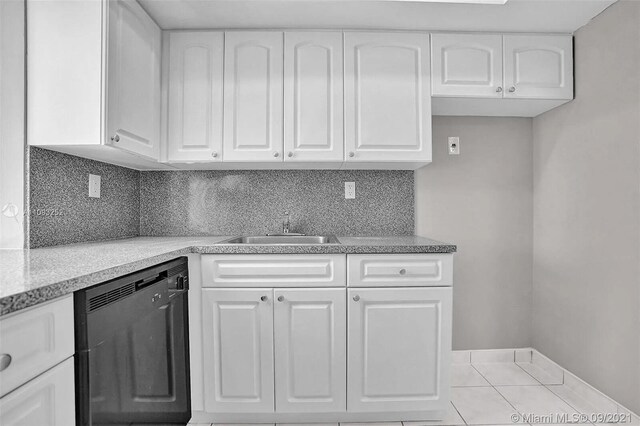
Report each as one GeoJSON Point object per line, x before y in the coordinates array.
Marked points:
{"type": "Point", "coordinates": [454, 145]}
{"type": "Point", "coordinates": [349, 190]}
{"type": "Point", "coordinates": [94, 186]}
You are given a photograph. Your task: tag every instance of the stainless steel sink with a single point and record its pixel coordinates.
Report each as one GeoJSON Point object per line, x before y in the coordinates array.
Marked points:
{"type": "Point", "coordinates": [283, 239]}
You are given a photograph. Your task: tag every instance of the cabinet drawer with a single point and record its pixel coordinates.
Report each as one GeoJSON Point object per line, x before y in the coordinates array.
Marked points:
{"type": "Point", "coordinates": [47, 400]}
{"type": "Point", "coordinates": [36, 340]}
{"type": "Point", "coordinates": [371, 270]}
{"type": "Point", "coordinates": [273, 270]}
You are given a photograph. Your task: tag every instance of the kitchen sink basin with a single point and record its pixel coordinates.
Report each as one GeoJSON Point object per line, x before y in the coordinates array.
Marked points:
{"type": "Point", "coordinates": [283, 239]}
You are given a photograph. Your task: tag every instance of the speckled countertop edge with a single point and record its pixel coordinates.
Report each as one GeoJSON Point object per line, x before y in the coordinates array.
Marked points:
{"type": "Point", "coordinates": [36, 280]}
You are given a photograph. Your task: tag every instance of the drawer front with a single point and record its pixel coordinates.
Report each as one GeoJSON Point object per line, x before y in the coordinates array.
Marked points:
{"type": "Point", "coordinates": [47, 400]}
{"type": "Point", "coordinates": [399, 270]}
{"type": "Point", "coordinates": [273, 270]}
{"type": "Point", "coordinates": [35, 340]}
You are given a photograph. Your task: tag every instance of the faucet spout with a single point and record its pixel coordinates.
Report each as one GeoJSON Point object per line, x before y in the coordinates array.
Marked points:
{"type": "Point", "coordinates": [286, 224]}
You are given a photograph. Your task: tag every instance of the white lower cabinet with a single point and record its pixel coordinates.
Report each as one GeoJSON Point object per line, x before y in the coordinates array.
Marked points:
{"type": "Point", "coordinates": [310, 350]}
{"type": "Point", "coordinates": [238, 350]}
{"type": "Point", "coordinates": [339, 351]}
{"type": "Point", "coordinates": [399, 347]}
{"type": "Point", "coordinates": [47, 400]}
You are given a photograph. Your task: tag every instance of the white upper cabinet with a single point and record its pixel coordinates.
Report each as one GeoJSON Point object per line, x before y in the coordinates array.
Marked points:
{"type": "Point", "coordinates": [387, 97]}
{"type": "Point", "coordinates": [93, 72]}
{"type": "Point", "coordinates": [133, 87]}
{"type": "Point", "coordinates": [466, 65]}
{"type": "Point", "coordinates": [500, 75]}
{"type": "Point", "coordinates": [195, 96]}
{"type": "Point", "coordinates": [310, 350]}
{"type": "Point", "coordinates": [538, 67]}
{"type": "Point", "coordinates": [313, 97]}
{"type": "Point", "coordinates": [253, 97]}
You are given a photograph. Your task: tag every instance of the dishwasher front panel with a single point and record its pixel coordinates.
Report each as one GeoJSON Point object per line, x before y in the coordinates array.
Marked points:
{"type": "Point", "coordinates": [132, 367]}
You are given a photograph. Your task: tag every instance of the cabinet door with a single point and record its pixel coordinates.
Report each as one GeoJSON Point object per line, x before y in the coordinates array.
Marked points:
{"type": "Point", "coordinates": [253, 98]}
{"type": "Point", "coordinates": [468, 65]}
{"type": "Point", "coordinates": [133, 86]}
{"type": "Point", "coordinates": [310, 350]}
{"type": "Point", "coordinates": [238, 350]}
{"type": "Point", "coordinates": [399, 348]}
{"type": "Point", "coordinates": [47, 400]}
{"type": "Point", "coordinates": [538, 67]}
{"type": "Point", "coordinates": [313, 101]}
{"type": "Point", "coordinates": [50, 330]}
{"type": "Point", "coordinates": [387, 97]}
{"type": "Point", "coordinates": [195, 96]}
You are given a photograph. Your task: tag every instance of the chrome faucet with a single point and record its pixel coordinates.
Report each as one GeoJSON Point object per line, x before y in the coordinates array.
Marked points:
{"type": "Point", "coordinates": [286, 223]}
{"type": "Point", "coordinates": [286, 226]}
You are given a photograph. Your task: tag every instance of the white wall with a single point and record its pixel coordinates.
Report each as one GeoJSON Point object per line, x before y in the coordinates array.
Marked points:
{"type": "Point", "coordinates": [12, 144]}
{"type": "Point", "coordinates": [481, 200]}
{"type": "Point", "coordinates": [586, 287]}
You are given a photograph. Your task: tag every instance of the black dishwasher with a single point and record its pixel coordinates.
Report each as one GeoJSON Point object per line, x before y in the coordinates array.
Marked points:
{"type": "Point", "coordinates": [132, 349]}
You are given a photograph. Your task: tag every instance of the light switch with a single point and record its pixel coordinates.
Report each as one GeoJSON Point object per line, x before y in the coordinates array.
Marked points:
{"type": "Point", "coordinates": [94, 186]}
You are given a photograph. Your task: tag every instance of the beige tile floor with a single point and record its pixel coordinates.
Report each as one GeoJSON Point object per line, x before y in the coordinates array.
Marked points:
{"type": "Point", "coordinates": [502, 393]}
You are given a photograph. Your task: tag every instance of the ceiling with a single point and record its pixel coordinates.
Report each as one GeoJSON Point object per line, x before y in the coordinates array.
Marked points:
{"type": "Point", "coordinates": [561, 16]}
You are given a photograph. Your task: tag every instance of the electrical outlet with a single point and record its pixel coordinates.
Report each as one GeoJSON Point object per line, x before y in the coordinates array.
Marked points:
{"type": "Point", "coordinates": [94, 186]}
{"type": "Point", "coordinates": [349, 190]}
{"type": "Point", "coordinates": [454, 145]}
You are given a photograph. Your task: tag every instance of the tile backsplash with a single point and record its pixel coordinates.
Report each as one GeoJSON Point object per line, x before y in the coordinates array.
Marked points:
{"type": "Point", "coordinates": [60, 210]}
{"type": "Point", "coordinates": [154, 203]}
{"type": "Point", "coordinates": [253, 202]}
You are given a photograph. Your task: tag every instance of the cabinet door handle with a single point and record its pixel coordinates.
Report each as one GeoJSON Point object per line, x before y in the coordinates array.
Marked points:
{"type": "Point", "coordinates": [290, 154]}
{"type": "Point", "coordinates": [352, 154]}
{"type": "Point", "coordinates": [403, 271]}
{"type": "Point", "coordinates": [264, 298]}
{"type": "Point", "coordinates": [214, 154]}
{"type": "Point", "coordinates": [5, 361]}
{"type": "Point", "coordinates": [356, 298]}
{"type": "Point", "coordinates": [276, 154]}
{"type": "Point", "coordinates": [512, 89]}
{"type": "Point", "coordinates": [280, 298]}
{"type": "Point", "coordinates": [499, 89]}
{"type": "Point", "coordinates": [115, 138]}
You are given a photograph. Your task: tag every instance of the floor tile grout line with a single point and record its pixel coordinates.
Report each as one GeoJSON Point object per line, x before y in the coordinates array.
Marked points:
{"type": "Point", "coordinates": [569, 404]}
{"type": "Point", "coordinates": [499, 393]}
{"type": "Point", "coordinates": [531, 375]}
{"type": "Point", "coordinates": [460, 414]}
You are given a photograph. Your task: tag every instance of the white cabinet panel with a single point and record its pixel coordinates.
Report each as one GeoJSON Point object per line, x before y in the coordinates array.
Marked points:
{"type": "Point", "coordinates": [269, 270]}
{"type": "Point", "coordinates": [238, 350]}
{"type": "Point", "coordinates": [47, 400]}
{"type": "Point", "coordinates": [133, 72]}
{"type": "Point", "coordinates": [310, 350]}
{"type": "Point", "coordinates": [399, 347]}
{"type": "Point", "coordinates": [253, 97]}
{"type": "Point", "coordinates": [313, 100]}
{"type": "Point", "coordinates": [50, 340]}
{"type": "Point", "coordinates": [64, 73]}
{"type": "Point", "coordinates": [195, 96]}
{"type": "Point", "coordinates": [399, 270]}
{"type": "Point", "coordinates": [466, 65]}
{"type": "Point", "coordinates": [387, 97]}
{"type": "Point", "coordinates": [538, 67]}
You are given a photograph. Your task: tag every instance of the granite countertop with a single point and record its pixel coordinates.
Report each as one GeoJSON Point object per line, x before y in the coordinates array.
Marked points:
{"type": "Point", "coordinates": [29, 277]}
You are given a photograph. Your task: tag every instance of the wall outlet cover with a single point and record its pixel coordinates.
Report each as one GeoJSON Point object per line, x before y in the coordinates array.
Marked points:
{"type": "Point", "coordinates": [94, 186]}
{"type": "Point", "coordinates": [454, 145]}
{"type": "Point", "coordinates": [349, 190]}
